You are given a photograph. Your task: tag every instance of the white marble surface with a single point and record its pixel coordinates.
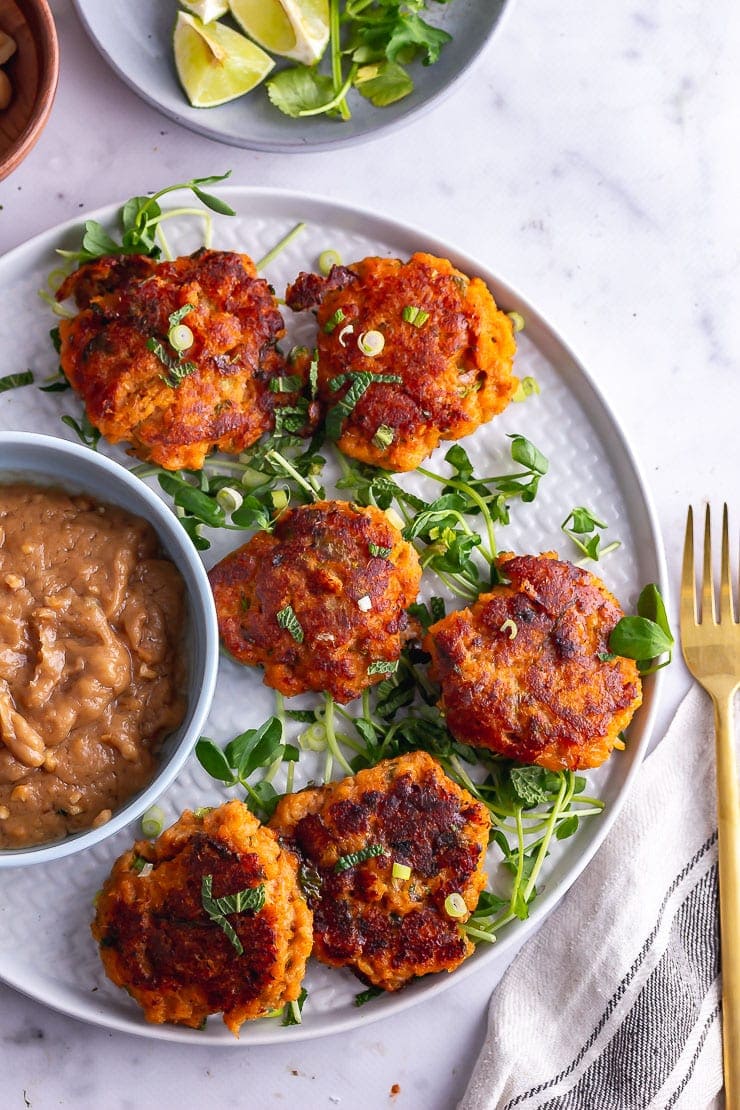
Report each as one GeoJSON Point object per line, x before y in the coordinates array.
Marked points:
{"type": "Point", "coordinates": [592, 160]}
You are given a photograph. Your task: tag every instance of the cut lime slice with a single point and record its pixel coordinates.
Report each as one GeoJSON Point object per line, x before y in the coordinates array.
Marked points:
{"type": "Point", "coordinates": [297, 29]}
{"type": "Point", "coordinates": [214, 63]}
{"type": "Point", "coordinates": [207, 10]}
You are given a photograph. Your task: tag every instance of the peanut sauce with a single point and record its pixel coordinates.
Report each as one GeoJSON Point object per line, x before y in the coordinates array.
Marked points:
{"type": "Point", "coordinates": [91, 677]}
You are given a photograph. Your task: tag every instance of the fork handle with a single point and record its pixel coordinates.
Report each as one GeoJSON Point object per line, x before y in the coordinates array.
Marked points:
{"type": "Point", "coordinates": [728, 818]}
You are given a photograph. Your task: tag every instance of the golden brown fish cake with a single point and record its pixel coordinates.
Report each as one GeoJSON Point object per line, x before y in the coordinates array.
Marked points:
{"type": "Point", "coordinates": [526, 670]}
{"type": "Point", "coordinates": [455, 368]}
{"type": "Point", "coordinates": [174, 417]}
{"type": "Point", "coordinates": [348, 576]}
{"type": "Point", "coordinates": [390, 930]}
{"type": "Point", "coordinates": [158, 941]}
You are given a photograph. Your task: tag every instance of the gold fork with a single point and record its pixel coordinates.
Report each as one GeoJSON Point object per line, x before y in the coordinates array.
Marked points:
{"type": "Point", "coordinates": [711, 648]}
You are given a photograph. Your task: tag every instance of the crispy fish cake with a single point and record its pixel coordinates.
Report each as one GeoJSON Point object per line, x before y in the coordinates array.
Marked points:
{"type": "Point", "coordinates": [321, 602]}
{"type": "Point", "coordinates": [174, 407]}
{"type": "Point", "coordinates": [446, 343]}
{"type": "Point", "coordinates": [404, 811]}
{"type": "Point", "coordinates": [527, 672]}
{"type": "Point", "coordinates": [168, 935]}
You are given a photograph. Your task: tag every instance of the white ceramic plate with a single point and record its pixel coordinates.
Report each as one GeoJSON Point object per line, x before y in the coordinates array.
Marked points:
{"type": "Point", "coordinates": [45, 945]}
{"type": "Point", "coordinates": [135, 38]}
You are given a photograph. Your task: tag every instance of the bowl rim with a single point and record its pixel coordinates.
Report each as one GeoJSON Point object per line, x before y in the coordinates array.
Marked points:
{"type": "Point", "coordinates": [39, 16]}
{"type": "Point", "coordinates": [203, 611]}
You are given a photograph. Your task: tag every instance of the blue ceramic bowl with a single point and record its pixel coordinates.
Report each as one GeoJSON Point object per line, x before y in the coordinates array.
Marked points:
{"type": "Point", "coordinates": [54, 462]}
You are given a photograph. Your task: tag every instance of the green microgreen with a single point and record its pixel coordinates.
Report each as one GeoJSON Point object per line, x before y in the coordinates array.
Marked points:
{"type": "Point", "coordinates": [646, 636]}
{"type": "Point", "coordinates": [581, 522]}
{"type": "Point", "coordinates": [140, 221]}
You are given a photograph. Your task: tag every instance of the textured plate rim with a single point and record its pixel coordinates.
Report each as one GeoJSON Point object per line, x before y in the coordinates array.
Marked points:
{"type": "Point", "coordinates": [375, 225]}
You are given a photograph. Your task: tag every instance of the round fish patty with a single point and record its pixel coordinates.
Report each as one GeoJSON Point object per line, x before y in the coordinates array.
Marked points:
{"type": "Point", "coordinates": [389, 930]}
{"type": "Point", "coordinates": [345, 574]}
{"type": "Point", "coordinates": [527, 672]}
{"type": "Point", "coordinates": [158, 941]}
{"type": "Point", "coordinates": [174, 408]}
{"type": "Point", "coordinates": [445, 340]}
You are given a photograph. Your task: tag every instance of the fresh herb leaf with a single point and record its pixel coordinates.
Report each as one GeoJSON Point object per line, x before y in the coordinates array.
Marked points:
{"type": "Point", "coordinates": [383, 666]}
{"type": "Point", "coordinates": [87, 434]}
{"type": "Point", "coordinates": [287, 619]}
{"type": "Point", "coordinates": [344, 863]}
{"type": "Point", "coordinates": [299, 89]}
{"type": "Point", "coordinates": [251, 898]}
{"type": "Point", "coordinates": [640, 638]}
{"type": "Point", "coordinates": [367, 995]}
{"type": "Point", "coordinates": [359, 382]}
{"type": "Point", "coordinates": [526, 388]}
{"type": "Point", "coordinates": [383, 83]}
{"type": "Point", "coordinates": [138, 220]}
{"type": "Point", "coordinates": [213, 760]}
{"type": "Point", "coordinates": [16, 381]}
{"type": "Point", "coordinates": [378, 552]}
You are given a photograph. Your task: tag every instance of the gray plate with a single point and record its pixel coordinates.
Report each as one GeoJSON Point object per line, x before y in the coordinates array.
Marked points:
{"type": "Point", "coordinates": [135, 38]}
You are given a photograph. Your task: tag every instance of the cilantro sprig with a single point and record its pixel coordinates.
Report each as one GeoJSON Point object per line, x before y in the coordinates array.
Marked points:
{"type": "Point", "coordinates": [371, 44]}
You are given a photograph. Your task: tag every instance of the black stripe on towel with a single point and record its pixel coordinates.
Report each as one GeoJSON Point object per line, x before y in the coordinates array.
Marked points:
{"type": "Point", "coordinates": [647, 1044]}
{"type": "Point", "coordinates": [624, 985]}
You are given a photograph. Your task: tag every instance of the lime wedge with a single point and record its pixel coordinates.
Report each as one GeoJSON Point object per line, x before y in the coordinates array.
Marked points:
{"type": "Point", "coordinates": [297, 29]}
{"type": "Point", "coordinates": [214, 63]}
{"type": "Point", "coordinates": [207, 10]}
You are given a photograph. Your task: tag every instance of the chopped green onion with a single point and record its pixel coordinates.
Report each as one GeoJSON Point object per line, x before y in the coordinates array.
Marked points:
{"type": "Point", "coordinates": [383, 437]}
{"type": "Point", "coordinates": [455, 906]}
{"type": "Point", "coordinates": [152, 822]}
{"type": "Point", "coordinates": [371, 343]}
{"type": "Point", "coordinates": [201, 811]}
{"type": "Point", "coordinates": [141, 866]}
{"type": "Point", "coordinates": [279, 498]}
{"type": "Point", "coordinates": [378, 552]}
{"type": "Point", "coordinates": [180, 338]}
{"type": "Point", "coordinates": [510, 626]}
{"type": "Point", "coordinates": [400, 870]}
{"type": "Point", "coordinates": [327, 260]}
{"type": "Point", "coordinates": [527, 386]}
{"type": "Point", "coordinates": [332, 322]}
{"type": "Point", "coordinates": [229, 499]}
{"type": "Point", "coordinates": [412, 314]}
{"type": "Point", "coordinates": [517, 321]}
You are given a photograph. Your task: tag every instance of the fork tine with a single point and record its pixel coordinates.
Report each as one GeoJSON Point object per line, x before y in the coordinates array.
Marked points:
{"type": "Point", "coordinates": [726, 607]}
{"type": "Point", "coordinates": [708, 610]}
{"type": "Point", "coordinates": [688, 574]}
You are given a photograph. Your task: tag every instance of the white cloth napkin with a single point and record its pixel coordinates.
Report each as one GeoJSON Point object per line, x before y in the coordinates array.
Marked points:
{"type": "Point", "coordinates": [615, 1003]}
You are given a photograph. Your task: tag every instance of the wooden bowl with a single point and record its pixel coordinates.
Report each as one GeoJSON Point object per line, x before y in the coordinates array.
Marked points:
{"type": "Point", "coordinates": [33, 72]}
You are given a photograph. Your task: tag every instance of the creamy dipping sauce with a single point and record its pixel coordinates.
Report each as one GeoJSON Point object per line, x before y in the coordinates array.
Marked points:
{"type": "Point", "coordinates": [91, 667]}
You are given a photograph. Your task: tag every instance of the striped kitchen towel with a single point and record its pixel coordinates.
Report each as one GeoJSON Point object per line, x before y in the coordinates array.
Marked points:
{"type": "Point", "coordinates": [615, 1003]}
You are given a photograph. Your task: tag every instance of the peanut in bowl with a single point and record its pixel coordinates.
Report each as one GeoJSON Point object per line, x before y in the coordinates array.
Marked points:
{"type": "Point", "coordinates": [108, 648]}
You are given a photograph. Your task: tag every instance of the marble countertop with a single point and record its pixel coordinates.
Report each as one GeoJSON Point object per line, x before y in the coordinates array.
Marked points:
{"type": "Point", "coordinates": [591, 159]}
